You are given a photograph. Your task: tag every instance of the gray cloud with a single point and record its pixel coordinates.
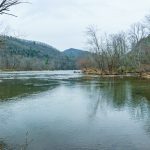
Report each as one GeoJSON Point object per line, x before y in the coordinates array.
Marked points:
{"type": "Point", "coordinates": [62, 23]}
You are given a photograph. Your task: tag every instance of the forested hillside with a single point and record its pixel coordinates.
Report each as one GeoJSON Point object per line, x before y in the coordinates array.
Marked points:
{"type": "Point", "coordinates": [18, 54]}
{"type": "Point", "coordinates": [142, 49]}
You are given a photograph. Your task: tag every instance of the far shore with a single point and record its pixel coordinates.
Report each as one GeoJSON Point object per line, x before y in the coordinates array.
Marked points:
{"type": "Point", "coordinates": [144, 75]}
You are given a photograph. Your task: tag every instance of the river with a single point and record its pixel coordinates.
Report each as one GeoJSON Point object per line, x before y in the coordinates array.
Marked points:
{"type": "Point", "coordinates": [63, 110]}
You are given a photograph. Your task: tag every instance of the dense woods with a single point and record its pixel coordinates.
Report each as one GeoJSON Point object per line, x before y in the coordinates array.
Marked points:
{"type": "Point", "coordinates": [122, 52]}
{"type": "Point", "coordinates": [19, 54]}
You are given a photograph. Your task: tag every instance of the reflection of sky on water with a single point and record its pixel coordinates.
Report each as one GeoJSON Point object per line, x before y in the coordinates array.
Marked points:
{"type": "Point", "coordinates": [40, 74]}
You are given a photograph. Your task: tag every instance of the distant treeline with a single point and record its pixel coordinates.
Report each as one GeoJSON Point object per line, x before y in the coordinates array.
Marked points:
{"type": "Point", "coordinates": [18, 54]}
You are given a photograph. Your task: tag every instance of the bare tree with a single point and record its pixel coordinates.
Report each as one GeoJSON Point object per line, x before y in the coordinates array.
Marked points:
{"type": "Point", "coordinates": [137, 32]}
{"type": "Point", "coordinates": [5, 6]}
{"type": "Point", "coordinates": [93, 40]}
{"type": "Point", "coordinates": [96, 46]}
{"type": "Point", "coordinates": [146, 23]}
{"type": "Point", "coordinates": [116, 51]}
{"type": "Point", "coordinates": [108, 50]}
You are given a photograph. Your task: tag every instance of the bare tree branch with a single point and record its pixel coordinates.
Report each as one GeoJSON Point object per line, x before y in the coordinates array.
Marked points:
{"type": "Point", "coordinates": [5, 6]}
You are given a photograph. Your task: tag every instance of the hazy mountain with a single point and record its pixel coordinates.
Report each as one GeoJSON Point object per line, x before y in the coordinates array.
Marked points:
{"type": "Point", "coordinates": [75, 53]}
{"type": "Point", "coordinates": [19, 54]}
{"type": "Point", "coordinates": [75, 56]}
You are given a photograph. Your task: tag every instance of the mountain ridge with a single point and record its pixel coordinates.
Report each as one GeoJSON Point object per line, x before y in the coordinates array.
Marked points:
{"type": "Point", "coordinates": [21, 54]}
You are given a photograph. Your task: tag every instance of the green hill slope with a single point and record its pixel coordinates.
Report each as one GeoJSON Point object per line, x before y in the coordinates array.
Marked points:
{"type": "Point", "coordinates": [19, 54]}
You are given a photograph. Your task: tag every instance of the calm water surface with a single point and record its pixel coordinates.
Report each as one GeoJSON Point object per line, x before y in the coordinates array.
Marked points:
{"type": "Point", "coordinates": [62, 110]}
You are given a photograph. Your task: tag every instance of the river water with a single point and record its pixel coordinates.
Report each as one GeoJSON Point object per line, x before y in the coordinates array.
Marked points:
{"type": "Point", "coordinates": [63, 110]}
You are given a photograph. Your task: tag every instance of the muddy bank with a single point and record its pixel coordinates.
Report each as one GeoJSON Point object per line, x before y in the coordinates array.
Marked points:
{"type": "Point", "coordinates": [145, 75]}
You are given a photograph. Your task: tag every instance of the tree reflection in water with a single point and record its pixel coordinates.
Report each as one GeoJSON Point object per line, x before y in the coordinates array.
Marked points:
{"type": "Point", "coordinates": [121, 95]}
{"type": "Point", "coordinates": [14, 88]}
{"type": "Point", "coordinates": [97, 111]}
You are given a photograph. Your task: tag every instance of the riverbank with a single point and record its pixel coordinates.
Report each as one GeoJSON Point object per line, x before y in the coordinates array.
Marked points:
{"type": "Point", "coordinates": [145, 75]}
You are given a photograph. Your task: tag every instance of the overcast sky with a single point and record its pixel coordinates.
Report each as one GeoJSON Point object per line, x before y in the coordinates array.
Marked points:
{"type": "Point", "coordinates": [61, 23]}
